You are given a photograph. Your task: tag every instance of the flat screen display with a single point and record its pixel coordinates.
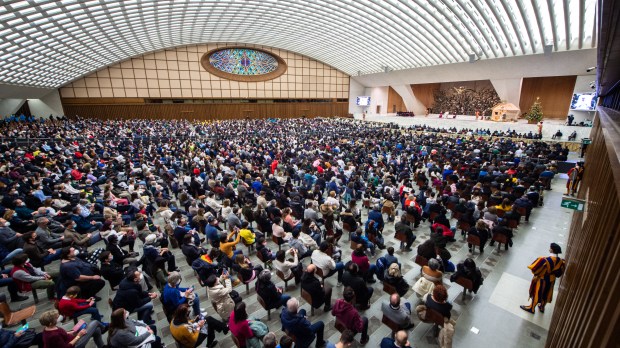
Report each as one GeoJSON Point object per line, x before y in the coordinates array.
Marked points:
{"type": "Point", "coordinates": [363, 101]}
{"type": "Point", "coordinates": [583, 101]}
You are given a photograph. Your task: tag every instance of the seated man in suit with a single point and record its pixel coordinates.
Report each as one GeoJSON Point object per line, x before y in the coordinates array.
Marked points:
{"type": "Point", "coordinates": [321, 294]}
{"type": "Point", "coordinates": [397, 312]}
{"type": "Point", "coordinates": [295, 323]}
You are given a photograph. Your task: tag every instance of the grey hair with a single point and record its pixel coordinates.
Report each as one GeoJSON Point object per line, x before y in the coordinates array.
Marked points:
{"type": "Point", "coordinates": [265, 275]}
{"type": "Point", "coordinates": [462, 200]}
{"type": "Point", "coordinates": [173, 278]}
{"type": "Point", "coordinates": [434, 264]}
{"type": "Point", "coordinates": [292, 305]}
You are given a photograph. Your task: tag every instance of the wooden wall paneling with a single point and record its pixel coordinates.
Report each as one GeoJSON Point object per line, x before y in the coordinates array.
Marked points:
{"type": "Point", "coordinates": [586, 312]}
{"type": "Point", "coordinates": [425, 92]}
{"type": "Point", "coordinates": [395, 102]}
{"type": "Point", "coordinates": [207, 111]}
{"type": "Point", "coordinates": [555, 94]}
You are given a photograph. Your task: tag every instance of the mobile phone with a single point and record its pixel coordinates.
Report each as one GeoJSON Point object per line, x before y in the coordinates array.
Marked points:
{"type": "Point", "coordinates": [23, 328]}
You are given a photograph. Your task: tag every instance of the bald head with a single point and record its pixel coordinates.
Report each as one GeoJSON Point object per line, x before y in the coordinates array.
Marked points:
{"type": "Point", "coordinates": [401, 338]}
{"type": "Point", "coordinates": [395, 300]}
{"type": "Point", "coordinates": [311, 268]}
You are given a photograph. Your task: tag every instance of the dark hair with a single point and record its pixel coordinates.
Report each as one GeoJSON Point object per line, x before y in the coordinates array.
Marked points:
{"type": "Point", "coordinates": [240, 313]}
{"type": "Point", "coordinates": [260, 241]}
{"type": "Point", "coordinates": [244, 224]}
{"type": "Point", "coordinates": [469, 263]}
{"type": "Point", "coordinates": [280, 255]}
{"type": "Point", "coordinates": [347, 336]}
{"type": "Point", "coordinates": [131, 274]}
{"type": "Point", "coordinates": [324, 246]}
{"type": "Point", "coordinates": [211, 280]}
{"type": "Point", "coordinates": [286, 342]}
{"type": "Point", "coordinates": [104, 255]}
{"type": "Point", "coordinates": [188, 239]}
{"type": "Point", "coordinates": [19, 259]}
{"type": "Point", "coordinates": [390, 250]}
{"type": "Point", "coordinates": [440, 293]}
{"type": "Point", "coordinates": [141, 224]}
{"type": "Point", "coordinates": [26, 236]}
{"type": "Point", "coordinates": [117, 322]}
{"type": "Point", "coordinates": [348, 294]}
{"type": "Point", "coordinates": [64, 253]}
{"type": "Point", "coordinates": [181, 314]}
{"type": "Point", "coordinates": [359, 250]}
{"type": "Point", "coordinates": [353, 268]}
{"type": "Point", "coordinates": [73, 290]}
{"type": "Point", "coordinates": [112, 239]}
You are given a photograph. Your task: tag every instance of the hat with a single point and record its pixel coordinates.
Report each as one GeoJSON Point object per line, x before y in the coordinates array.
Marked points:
{"type": "Point", "coordinates": [210, 219]}
{"type": "Point", "coordinates": [555, 248]}
{"type": "Point", "coordinates": [150, 239]}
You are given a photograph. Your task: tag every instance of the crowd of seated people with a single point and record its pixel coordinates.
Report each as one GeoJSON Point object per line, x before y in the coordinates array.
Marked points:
{"type": "Point", "coordinates": [109, 201]}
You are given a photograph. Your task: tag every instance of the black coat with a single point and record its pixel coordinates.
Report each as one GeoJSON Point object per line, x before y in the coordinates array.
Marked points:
{"type": "Point", "coordinates": [358, 284]}
{"type": "Point", "coordinates": [313, 286]}
{"type": "Point", "coordinates": [130, 296]}
{"type": "Point", "coordinates": [268, 292]}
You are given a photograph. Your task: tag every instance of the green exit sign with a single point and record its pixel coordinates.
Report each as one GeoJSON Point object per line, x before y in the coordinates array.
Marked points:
{"type": "Point", "coordinates": [573, 203]}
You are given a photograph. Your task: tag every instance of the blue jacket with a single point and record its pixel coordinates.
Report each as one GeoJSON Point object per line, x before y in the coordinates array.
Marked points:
{"type": "Point", "coordinates": [257, 186]}
{"type": "Point", "coordinates": [299, 326]}
{"type": "Point", "coordinates": [171, 297]}
{"type": "Point", "coordinates": [377, 217]}
{"type": "Point", "coordinates": [83, 224]}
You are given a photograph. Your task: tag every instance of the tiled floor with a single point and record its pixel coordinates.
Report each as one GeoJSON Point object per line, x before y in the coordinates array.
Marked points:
{"type": "Point", "coordinates": [491, 317]}
{"type": "Point", "coordinates": [493, 311]}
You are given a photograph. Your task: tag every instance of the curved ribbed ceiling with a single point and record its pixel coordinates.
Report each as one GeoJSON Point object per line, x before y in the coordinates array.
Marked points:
{"type": "Point", "coordinates": [48, 43]}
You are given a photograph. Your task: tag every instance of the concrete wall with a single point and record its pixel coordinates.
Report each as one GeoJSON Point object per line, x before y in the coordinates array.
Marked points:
{"type": "Point", "coordinates": [356, 89]}
{"type": "Point", "coordinates": [50, 104]}
{"type": "Point", "coordinates": [378, 97]}
{"type": "Point", "coordinates": [9, 106]}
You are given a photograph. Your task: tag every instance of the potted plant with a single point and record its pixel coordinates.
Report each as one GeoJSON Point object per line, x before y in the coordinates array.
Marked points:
{"type": "Point", "coordinates": [536, 114]}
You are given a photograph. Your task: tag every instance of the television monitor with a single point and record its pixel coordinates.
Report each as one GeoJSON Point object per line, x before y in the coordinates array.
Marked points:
{"type": "Point", "coordinates": [583, 101]}
{"type": "Point", "coordinates": [363, 101]}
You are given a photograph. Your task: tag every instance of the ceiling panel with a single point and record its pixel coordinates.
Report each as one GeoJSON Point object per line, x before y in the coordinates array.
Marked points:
{"type": "Point", "coordinates": [48, 43]}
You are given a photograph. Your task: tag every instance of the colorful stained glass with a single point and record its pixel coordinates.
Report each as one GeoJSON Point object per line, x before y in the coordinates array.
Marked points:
{"type": "Point", "coordinates": [243, 61]}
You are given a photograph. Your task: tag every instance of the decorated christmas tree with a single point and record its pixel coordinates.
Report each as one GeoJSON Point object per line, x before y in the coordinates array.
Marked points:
{"type": "Point", "coordinates": [536, 113]}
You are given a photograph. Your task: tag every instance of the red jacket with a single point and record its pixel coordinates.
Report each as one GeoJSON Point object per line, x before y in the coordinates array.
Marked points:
{"type": "Point", "coordinates": [361, 261]}
{"type": "Point", "coordinates": [348, 315]}
{"type": "Point", "coordinates": [447, 232]}
{"type": "Point", "coordinates": [68, 306]}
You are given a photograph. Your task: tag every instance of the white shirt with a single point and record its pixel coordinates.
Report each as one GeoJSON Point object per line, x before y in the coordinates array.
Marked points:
{"type": "Point", "coordinates": [323, 261]}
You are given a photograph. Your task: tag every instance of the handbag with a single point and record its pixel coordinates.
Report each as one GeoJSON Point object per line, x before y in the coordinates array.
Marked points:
{"type": "Point", "coordinates": [26, 339]}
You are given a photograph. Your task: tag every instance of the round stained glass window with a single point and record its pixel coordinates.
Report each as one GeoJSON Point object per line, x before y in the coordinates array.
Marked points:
{"type": "Point", "coordinates": [243, 64]}
{"type": "Point", "coordinates": [243, 61]}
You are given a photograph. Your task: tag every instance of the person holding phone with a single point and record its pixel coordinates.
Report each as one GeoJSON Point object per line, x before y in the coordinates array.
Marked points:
{"type": "Point", "coordinates": [125, 332]}
{"type": "Point", "coordinates": [57, 337]}
{"type": "Point", "coordinates": [191, 333]}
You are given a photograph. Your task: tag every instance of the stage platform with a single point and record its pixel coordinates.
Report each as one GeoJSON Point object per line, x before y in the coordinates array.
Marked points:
{"type": "Point", "coordinates": [550, 127]}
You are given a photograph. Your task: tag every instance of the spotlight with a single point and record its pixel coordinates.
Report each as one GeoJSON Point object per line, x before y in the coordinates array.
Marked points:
{"type": "Point", "coordinates": [590, 68]}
